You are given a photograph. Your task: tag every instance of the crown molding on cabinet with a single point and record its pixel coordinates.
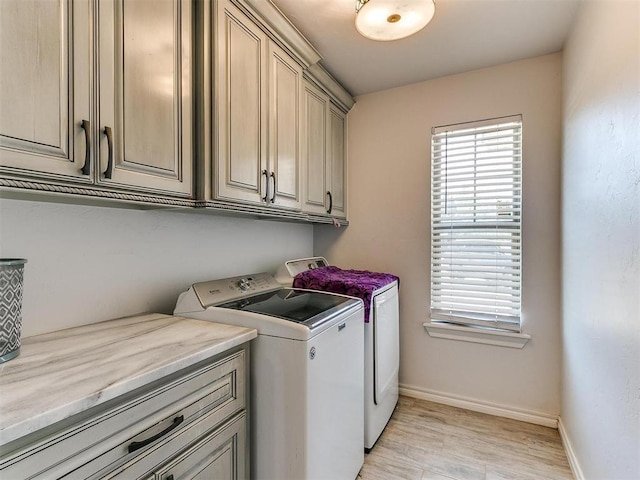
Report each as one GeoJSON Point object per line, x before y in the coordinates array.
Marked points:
{"type": "Point", "coordinates": [290, 38]}
{"type": "Point", "coordinates": [325, 81]}
{"type": "Point", "coordinates": [286, 33]}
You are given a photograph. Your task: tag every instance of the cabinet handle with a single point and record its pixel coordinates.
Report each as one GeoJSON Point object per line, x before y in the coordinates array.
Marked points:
{"type": "Point", "coordinates": [133, 446]}
{"type": "Point", "coordinates": [273, 197]}
{"type": "Point", "coordinates": [86, 126]}
{"type": "Point", "coordinates": [330, 202]}
{"type": "Point", "coordinates": [109, 171]}
{"type": "Point", "coordinates": [170, 477]}
{"type": "Point", "coordinates": [266, 186]}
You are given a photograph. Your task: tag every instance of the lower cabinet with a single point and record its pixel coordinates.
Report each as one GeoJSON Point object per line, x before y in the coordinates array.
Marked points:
{"type": "Point", "coordinates": [213, 457]}
{"type": "Point", "coordinates": [191, 425]}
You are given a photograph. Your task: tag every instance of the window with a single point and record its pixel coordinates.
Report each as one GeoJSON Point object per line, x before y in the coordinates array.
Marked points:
{"type": "Point", "coordinates": [476, 203]}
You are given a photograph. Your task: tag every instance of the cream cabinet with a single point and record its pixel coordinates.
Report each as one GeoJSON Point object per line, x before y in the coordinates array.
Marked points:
{"type": "Point", "coordinates": [323, 159]}
{"type": "Point", "coordinates": [46, 88]}
{"type": "Point", "coordinates": [285, 94]}
{"type": "Point", "coordinates": [256, 129]}
{"type": "Point", "coordinates": [192, 424]}
{"type": "Point", "coordinates": [336, 164]}
{"type": "Point", "coordinates": [144, 109]}
{"type": "Point", "coordinates": [214, 457]}
{"type": "Point", "coordinates": [171, 102]}
{"type": "Point", "coordinates": [97, 94]}
{"type": "Point", "coordinates": [240, 126]}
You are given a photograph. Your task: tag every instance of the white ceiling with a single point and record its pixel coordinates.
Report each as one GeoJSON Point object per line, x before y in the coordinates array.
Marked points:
{"type": "Point", "coordinates": [463, 35]}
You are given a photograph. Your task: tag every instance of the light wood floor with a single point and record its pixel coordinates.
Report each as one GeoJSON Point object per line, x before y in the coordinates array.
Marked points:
{"type": "Point", "coordinates": [429, 441]}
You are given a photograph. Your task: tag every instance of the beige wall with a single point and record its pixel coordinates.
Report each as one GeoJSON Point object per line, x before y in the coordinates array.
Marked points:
{"type": "Point", "coordinates": [88, 264]}
{"type": "Point", "coordinates": [389, 161]}
{"type": "Point", "coordinates": [601, 240]}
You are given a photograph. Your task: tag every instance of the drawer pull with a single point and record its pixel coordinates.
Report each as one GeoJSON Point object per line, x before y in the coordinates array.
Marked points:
{"type": "Point", "coordinates": [133, 446]}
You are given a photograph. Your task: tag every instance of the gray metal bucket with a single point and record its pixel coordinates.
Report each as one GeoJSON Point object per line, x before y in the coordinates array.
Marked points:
{"type": "Point", "coordinates": [11, 275]}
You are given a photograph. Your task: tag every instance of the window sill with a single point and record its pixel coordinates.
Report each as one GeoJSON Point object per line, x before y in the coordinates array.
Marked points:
{"type": "Point", "coordinates": [476, 335]}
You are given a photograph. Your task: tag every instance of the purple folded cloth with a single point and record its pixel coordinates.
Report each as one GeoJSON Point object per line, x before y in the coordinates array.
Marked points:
{"type": "Point", "coordinates": [355, 283]}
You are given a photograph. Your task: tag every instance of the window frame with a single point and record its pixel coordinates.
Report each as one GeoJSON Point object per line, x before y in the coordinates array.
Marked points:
{"type": "Point", "coordinates": [458, 298]}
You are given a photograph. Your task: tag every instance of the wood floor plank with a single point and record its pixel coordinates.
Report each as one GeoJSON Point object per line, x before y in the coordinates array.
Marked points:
{"type": "Point", "coordinates": [430, 441]}
{"type": "Point", "coordinates": [434, 476]}
{"type": "Point", "coordinates": [380, 467]}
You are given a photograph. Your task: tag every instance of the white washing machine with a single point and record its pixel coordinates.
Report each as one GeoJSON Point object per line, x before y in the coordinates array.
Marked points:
{"type": "Point", "coordinates": [306, 411]}
{"type": "Point", "coordinates": [381, 338]}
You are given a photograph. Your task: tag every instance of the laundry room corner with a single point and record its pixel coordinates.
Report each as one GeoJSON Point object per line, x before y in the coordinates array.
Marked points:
{"type": "Point", "coordinates": [389, 213]}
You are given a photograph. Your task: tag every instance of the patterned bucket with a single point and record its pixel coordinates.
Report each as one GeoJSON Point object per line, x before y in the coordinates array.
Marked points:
{"type": "Point", "coordinates": [11, 270]}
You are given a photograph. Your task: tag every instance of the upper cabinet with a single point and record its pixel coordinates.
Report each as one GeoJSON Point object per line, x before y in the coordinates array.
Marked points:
{"type": "Point", "coordinates": [324, 157]}
{"type": "Point", "coordinates": [144, 109]}
{"type": "Point", "coordinates": [240, 126]}
{"type": "Point", "coordinates": [45, 88]}
{"type": "Point", "coordinates": [285, 95]}
{"type": "Point", "coordinates": [315, 114]}
{"type": "Point", "coordinates": [336, 165]}
{"type": "Point", "coordinates": [219, 104]}
{"type": "Point", "coordinates": [256, 126]}
{"type": "Point", "coordinates": [111, 111]}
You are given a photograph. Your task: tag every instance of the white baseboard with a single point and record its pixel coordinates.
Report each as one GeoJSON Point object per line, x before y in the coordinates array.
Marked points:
{"type": "Point", "coordinates": [475, 405]}
{"type": "Point", "coordinates": [570, 451]}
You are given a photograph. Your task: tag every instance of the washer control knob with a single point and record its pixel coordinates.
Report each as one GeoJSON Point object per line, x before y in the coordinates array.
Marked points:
{"type": "Point", "coordinates": [243, 284]}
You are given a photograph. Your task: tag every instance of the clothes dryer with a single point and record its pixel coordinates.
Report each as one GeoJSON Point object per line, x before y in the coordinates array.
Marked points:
{"type": "Point", "coordinates": [379, 292]}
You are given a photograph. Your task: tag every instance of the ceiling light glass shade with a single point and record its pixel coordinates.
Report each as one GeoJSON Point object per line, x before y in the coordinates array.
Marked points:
{"type": "Point", "coordinates": [392, 19]}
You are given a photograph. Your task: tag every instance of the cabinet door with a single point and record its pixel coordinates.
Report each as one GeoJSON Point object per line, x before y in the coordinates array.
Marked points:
{"type": "Point", "coordinates": [240, 122]}
{"type": "Point", "coordinates": [336, 164]}
{"type": "Point", "coordinates": [314, 152]}
{"type": "Point", "coordinates": [221, 456]}
{"type": "Point", "coordinates": [285, 83]}
{"type": "Point", "coordinates": [144, 116]}
{"type": "Point", "coordinates": [45, 87]}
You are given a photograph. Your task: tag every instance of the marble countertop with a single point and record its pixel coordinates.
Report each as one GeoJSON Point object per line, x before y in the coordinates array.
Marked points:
{"type": "Point", "coordinates": [63, 373]}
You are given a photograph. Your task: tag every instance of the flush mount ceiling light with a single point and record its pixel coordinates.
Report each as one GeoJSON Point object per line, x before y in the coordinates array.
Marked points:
{"type": "Point", "coordinates": [392, 19]}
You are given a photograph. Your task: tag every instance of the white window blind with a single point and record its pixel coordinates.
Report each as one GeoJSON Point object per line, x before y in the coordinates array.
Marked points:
{"type": "Point", "coordinates": [476, 203]}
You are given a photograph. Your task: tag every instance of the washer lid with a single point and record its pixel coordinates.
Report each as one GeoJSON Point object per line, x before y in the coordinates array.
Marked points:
{"type": "Point", "coordinates": [309, 308]}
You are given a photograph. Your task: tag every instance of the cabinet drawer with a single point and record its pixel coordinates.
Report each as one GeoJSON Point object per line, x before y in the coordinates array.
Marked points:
{"type": "Point", "coordinates": [90, 444]}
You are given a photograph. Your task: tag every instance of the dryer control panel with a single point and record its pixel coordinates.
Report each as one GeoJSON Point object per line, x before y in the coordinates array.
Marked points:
{"type": "Point", "coordinates": [291, 268]}
{"type": "Point", "coordinates": [225, 290]}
